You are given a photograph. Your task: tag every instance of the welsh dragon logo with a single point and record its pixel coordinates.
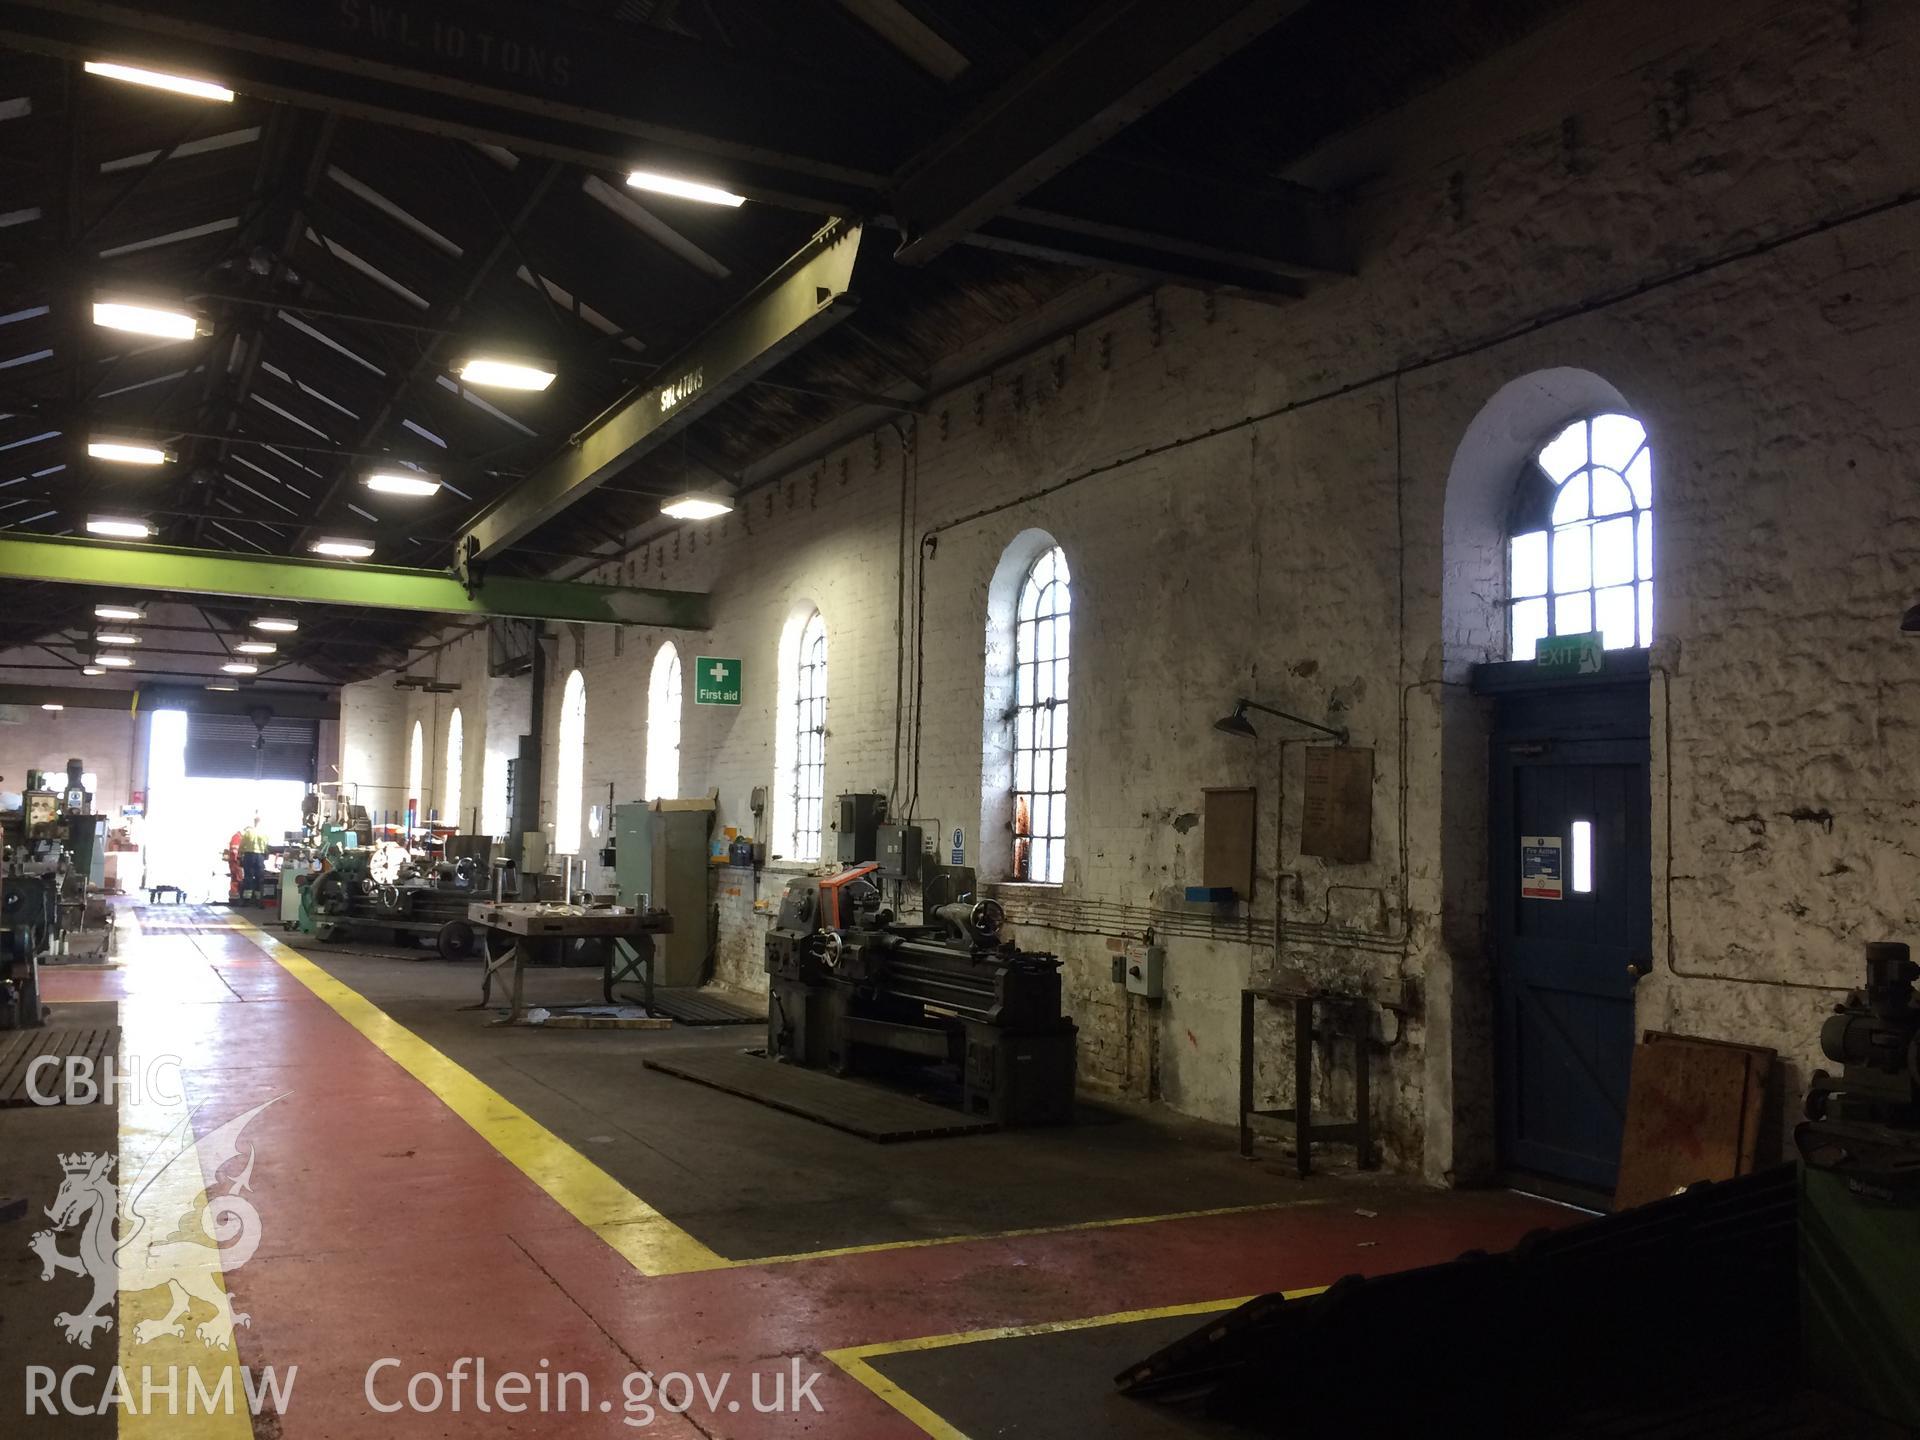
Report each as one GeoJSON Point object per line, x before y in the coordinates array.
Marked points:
{"type": "Point", "coordinates": [145, 1257]}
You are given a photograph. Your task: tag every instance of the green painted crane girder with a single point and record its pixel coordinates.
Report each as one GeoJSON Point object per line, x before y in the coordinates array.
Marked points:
{"type": "Point", "coordinates": [162, 568]}
{"type": "Point", "coordinates": [806, 296]}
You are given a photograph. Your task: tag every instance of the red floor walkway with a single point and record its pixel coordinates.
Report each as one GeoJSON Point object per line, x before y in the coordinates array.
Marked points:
{"type": "Point", "coordinates": [394, 1230]}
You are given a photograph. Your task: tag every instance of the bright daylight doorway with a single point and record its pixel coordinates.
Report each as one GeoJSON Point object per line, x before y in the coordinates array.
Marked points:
{"type": "Point", "coordinates": [191, 818]}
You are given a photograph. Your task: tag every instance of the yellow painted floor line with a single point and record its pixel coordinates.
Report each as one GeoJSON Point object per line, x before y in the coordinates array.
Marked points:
{"type": "Point", "coordinates": [145, 1124]}
{"type": "Point", "coordinates": [651, 1243]}
{"type": "Point", "coordinates": [1063, 1229]}
{"type": "Point", "coordinates": [855, 1359]}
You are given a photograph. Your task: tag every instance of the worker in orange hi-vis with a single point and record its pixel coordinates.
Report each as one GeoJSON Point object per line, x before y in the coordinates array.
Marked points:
{"type": "Point", "coordinates": [236, 874]}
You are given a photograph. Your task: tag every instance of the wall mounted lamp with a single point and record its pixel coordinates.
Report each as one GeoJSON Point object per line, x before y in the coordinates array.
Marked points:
{"type": "Point", "coordinates": [1238, 724]}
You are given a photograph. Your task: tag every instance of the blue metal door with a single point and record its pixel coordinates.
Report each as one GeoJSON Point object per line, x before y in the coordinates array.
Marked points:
{"type": "Point", "coordinates": [1571, 877]}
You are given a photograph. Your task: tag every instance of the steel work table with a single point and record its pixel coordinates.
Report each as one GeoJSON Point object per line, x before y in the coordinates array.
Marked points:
{"type": "Point", "coordinates": [1358, 1130]}
{"type": "Point", "coordinates": [628, 933]}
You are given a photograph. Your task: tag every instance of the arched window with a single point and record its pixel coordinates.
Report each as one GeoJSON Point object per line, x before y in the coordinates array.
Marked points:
{"type": "Point", "coordinates": [1581, 554]}
{"type": "Point", "coordinates": [1043, 622]}
{"type": "Point", "coordinates": [571, 773]}
{"type": "Point", "coordinates": [801, 745]}
{"type": "Point", "coordinates": [416, 770]}
{"type": "Point", "coordinates": [663, 724]}
{"type": "Point", "coordinates": [456, 757]}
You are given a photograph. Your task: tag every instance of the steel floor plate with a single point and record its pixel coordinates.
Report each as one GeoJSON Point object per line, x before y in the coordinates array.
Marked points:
{"type": "Point", "coordinates": [851, 1105]}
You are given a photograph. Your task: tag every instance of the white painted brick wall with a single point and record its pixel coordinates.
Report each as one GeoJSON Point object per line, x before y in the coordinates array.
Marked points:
{"type": "Point", "coordinates": [1297, 557]}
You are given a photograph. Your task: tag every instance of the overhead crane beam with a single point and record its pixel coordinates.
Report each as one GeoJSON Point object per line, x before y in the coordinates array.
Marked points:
{"type": "Point", "coordinates": [177, 571]}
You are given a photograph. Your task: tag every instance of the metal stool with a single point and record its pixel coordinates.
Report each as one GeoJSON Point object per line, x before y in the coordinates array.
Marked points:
{"type": "Point", "coordinates": [1358, 1130]}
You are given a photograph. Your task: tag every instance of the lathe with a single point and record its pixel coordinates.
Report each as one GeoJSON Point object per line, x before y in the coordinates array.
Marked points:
{"type": "Point", "coordinates": [853, 990]}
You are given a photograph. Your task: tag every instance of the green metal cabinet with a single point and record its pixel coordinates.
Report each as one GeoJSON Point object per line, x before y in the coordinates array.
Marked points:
{"type": "Point", "coordinates": [662, 855]}
{"type": "Point", "coordinates": [1860, 1296]}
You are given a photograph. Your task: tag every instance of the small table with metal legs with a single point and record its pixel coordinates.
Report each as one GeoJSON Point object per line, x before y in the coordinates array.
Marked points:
{"type": "Point", "coordinates": [1358, 1130]}
{"type": "Point", "coordinates": [628, 933]}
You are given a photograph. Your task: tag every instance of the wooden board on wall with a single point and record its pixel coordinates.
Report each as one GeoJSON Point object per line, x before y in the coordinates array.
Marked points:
{"type": "Point", "coordinates": [1230, 819]}
{"type": "Point", "coordinates": [1693, 1113]}
{"type": "Point", "coordinates": [1336, 816]}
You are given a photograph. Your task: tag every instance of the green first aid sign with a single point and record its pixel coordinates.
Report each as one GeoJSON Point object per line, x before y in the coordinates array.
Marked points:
{"type": "Point", "coordinates": [716, 681]}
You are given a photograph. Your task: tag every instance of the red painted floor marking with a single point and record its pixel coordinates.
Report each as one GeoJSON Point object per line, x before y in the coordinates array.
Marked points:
{"type": "Point", "coordinates": [392, 1229]}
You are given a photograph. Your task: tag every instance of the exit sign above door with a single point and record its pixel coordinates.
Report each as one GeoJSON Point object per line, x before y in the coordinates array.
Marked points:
{"type": "Point", "coordinates": [716, 681]}
{"type": "Point", "coordinates": [1569, 654]}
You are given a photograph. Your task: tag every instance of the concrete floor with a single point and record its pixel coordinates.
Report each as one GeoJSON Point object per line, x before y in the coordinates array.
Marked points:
{"type": "Point", "coordinates": [430, 1187]}
{"type": "Point", "coordinates": [753, 1181]}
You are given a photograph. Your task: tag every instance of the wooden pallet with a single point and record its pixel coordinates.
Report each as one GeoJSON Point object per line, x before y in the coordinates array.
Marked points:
{"type": "Point", "coordinates": [850, 1105]}
{"type": "Point", "coordinates": [21, 1048]}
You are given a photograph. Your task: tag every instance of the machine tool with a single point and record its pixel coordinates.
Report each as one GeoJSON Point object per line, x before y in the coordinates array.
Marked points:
{"type": "Point", "coordinates": [853, 990]}
{"type": "Point", "coordinates": [384, 891]}
{"type": "Point", "coordinates": [49, 849]}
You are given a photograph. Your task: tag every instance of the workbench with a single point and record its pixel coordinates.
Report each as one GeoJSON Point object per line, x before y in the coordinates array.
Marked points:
{"type": "Point", "coordinates": [628, 933]}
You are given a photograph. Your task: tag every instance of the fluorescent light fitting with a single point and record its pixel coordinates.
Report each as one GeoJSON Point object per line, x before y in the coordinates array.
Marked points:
{"type": "Point", "coordinates": [402, 482]}
{"type": "Point", "coordinates": [139, 319]}
{"type": "Point", "coordinates": [684, 189]}
{"type": "Point", "coordinates": [93, 670]}
{"type": "Point", "coordinates": [160, 80]}
{"type": "Point", "coordinates": [114, 662]}
{"type": "Point", "coordinates": [53, 705]}
{"type": "Point", "coordinates": [241, 667]}
{"type": "Point", "coordinates": [255, 647]}
{"type": "Point", "coordinates": [273, 624]}
{"type": "Point", "coordinates": [119, 612]}
{"type": "Point", "coordinates": [115, 637]}
{"type": "Point", "coordinates": [341, 549]}
{"type": "Point", "coordinates": [222, 685]}
{"type": "Point", "coordinates": [696, 505]}
{"type": "Point", "coordinates": [505, 374]}
{"type": "Point", "coordinates": [118, 528]}
{"type": "Point", "coordinates": [128, 452]}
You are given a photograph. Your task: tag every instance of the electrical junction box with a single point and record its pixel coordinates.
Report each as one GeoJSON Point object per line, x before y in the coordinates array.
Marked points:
{"type": "Point", "coordinates": [1145, 969]}
{"type": "Point", "coordinates": [899, 852]}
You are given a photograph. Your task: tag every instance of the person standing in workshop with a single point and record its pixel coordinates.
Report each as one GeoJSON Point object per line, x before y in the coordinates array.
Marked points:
{"type": "Point", "coordinates": [253, 862]}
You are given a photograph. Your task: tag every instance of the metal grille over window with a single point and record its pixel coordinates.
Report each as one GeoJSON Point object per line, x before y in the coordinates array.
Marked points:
{"type": "Point", "coordinates": [1040, 649]}
{"type": "Point", "coordinates": [810, 736]}
{"type": "Point", "coordinates": [1581, 556]}
{"type": "Point", "coordinates": [663, 724]}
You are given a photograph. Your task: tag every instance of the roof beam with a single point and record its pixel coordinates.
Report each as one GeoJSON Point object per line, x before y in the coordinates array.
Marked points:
{"type": "Point", "coordinates": [809, 294]}
{"type": "Point", "coordinates": [286, 704]}
{"type": "Point", "coordinates": [477, 268]}
{"type": "Point", "coordinates": [1112, 68]}
{"type": "Point", "coordinates": [1246, 232]}
{"type": "Point", "coordinates": [260, 577]}
{"type": "Point", "coordinates": [535, 77]}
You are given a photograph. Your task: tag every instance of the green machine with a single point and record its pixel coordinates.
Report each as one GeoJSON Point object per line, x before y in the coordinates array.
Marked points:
{"type": "Point", "coordinates": [336, 846]}
{"type": "Point", "coordinates": [660, 858]}
{"type": "Point", "coordinates": [1860, 1197]}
